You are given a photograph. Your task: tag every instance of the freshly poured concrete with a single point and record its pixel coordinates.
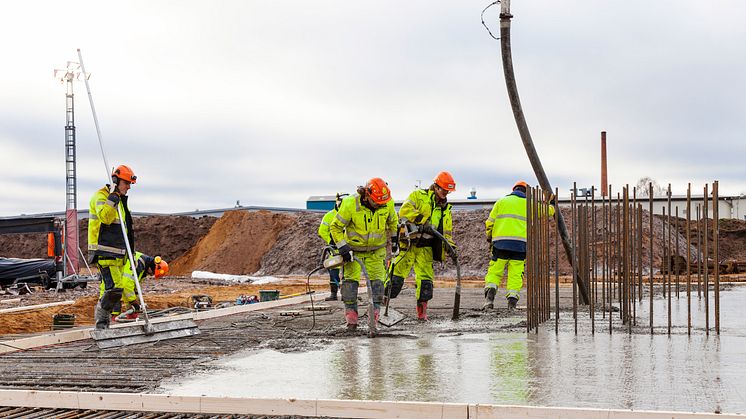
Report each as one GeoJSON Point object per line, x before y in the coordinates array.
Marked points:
{"type": "Point", "coordinates": [434, 363]}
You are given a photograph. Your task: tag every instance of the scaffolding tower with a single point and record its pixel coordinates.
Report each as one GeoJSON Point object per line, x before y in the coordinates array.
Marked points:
{"type": "Point", "coordinates": [71, 244]}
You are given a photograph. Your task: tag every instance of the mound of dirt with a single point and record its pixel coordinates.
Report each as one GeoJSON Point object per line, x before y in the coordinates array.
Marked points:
{"type": "Point", "coordinates": [168, 236]}
{"type": "Point", "coordinates": [298, 248]}
{"type": "Point", "coordinates": [235, 244]}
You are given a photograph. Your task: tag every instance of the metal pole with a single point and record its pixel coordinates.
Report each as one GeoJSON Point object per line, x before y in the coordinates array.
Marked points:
{"type": "Point", "coordinates": [689, 259]}
{"type": "Point", "coordinates": [575, 283]}
{"type": "Point", "coordinates": [715, 256]}
{"type": "Point", "coordinates": [706, 264]}
{"type": "Point", "coordinates": [650, 199]}
{"type": "Point", "coordinates": [522, 125]}
{"type": "Point", "coordinates": [529, 258]}
{"type": "Point", "coordinates": [556, 266]}
{"type": "Point", "coordinates": [594, 282]}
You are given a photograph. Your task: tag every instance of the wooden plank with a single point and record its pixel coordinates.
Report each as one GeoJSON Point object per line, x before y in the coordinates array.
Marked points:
{"type": "Point", "coordinates": [36, 307]}
{"type": "Point", "coordinates": [338, 408]}
{"type": "Point", "coordinates": [11, 301]}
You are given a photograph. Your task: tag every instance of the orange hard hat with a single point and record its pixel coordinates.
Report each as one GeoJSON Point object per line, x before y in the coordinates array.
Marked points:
{"type": "Point", "coordinates": [378, 190]}
{"type": "Point", "coordinates": [125, 173]}
{"type": "Point", "coordinates": [161, 267]}
{"type": "Point", "coordinates": [445, 181]}
{"type": "Point", "coordinates": [521, 184]}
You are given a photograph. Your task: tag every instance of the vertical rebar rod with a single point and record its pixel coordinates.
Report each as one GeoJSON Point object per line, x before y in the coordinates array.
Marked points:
{"type": "Point", "coordinates": [620, 256]}
{"type": "Point", "coordinates": [604, 254]}
{"type": "Point", "coordinates": [625, 256]}
{"type": "Point", "coordinates": [699, 254]}
{"type": "Point", "coordinates": [706, 262]}
{"type": "Point", "coordinates": [666, 266]}
{"type": "Point", "coordinates": [594, 282]}
{"type": "Point", "coordinates": [547, 271]}
{"type": "Point", "coordinates": [529, 257]}
{"type": "Point", "coordinates": [556, 265]}
{"type": "Point", "coordinates": [633, 255]}
{"type": "Point", "coordinates": [639, 250]}
{"type": "Point", "coordinates": [676, 246]}
{"type": "Point", "coordinates": [715, 256]}
{"type": "Point", "coordinates": [574, 252]}
{"type": "Point", "coordinates": [689, 259]}
{"type": "Point", "coordinates": [669, 261]}
{"type": "Point", "coordinates": [610, 281]}
{"type": "Point", "coordinates": [650, 217]}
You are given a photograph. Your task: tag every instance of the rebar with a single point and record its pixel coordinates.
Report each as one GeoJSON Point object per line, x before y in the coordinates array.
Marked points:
{"type": "Point", "coordinates": [715, 256]}
{"type": "Point", "coordinates": [706, 264]}
{"type": "Point", "coordinates": [688, 259]}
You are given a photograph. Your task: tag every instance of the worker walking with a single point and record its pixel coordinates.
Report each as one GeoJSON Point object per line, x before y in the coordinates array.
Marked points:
{"type": "Point", "coordinates": [129, 304]}
{"type": "Point", "coordinates": [424, 211]}
{"type": "Point", "coordinates": [106, 245]}
{"type": "Point", "coordinates": [506, 231]}
{"type": "Point", "coordinates": [327, 237]}
{"type": "Point", "coordinates": [362, 224]}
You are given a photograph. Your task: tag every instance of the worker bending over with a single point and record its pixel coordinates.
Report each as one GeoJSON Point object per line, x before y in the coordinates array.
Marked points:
{"type": "Point", "coordinates": [129, 304]}
{"type": "Point", "coordinates": [327, 237]}
{"type": "Point", "coordinates": [424, 211]}
{"type": "Point", "coordinates": [506, 231]}
{"type": "Point", "coordinates": [106, 246]}
{"type": "Point", "coordinates": [363, 223]}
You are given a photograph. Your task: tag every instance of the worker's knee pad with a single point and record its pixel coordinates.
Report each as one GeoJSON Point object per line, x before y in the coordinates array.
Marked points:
{"type": "Point", "coordinates": [111, 298]}
{"type": "Point", "coordinates": [394, 286]}
{"type": "Point", "coordinates": [426, 291]}
{"type": "Point", "coordinates": [106, 277]}
{"type": "Point", "coordinates": [377, 288]}
{"type": "Point", "coordinates": [349, 292]}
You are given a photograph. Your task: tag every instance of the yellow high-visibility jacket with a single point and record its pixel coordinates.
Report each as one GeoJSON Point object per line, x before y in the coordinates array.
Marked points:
{"type": "Point", "coordinates": [420, 208]}
{"type": "Point", "coordinates": [104, 231]}
{"type": "Point", "coordinates": [364, 230]}
{"type": "Point", "coordinates": [506, 225]}
{"type": "Point", "coordinates": [326, 222]}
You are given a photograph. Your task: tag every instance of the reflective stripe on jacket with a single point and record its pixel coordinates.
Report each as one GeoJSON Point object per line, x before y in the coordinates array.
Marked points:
{"type": "Point", "coordinates": [364, 230]}
{"type": "Point", "coordinates": [104, 230]}
{"type": "Point", "coordinates": [326, 222]}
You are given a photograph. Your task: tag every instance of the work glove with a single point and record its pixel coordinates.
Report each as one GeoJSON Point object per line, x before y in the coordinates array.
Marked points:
{"type": "Point", "coordinates": [346, 252]}
{"type": "Point", "coordinates": [552, 200]}
{"type": "Point", "coordinates": [427, 228]}
{"type": "Point", "coordinates": [451, 250]}
{"type": "Point", "coordinates": [394, 245]}
{"type": "Point", "coordinates": [115, 198]}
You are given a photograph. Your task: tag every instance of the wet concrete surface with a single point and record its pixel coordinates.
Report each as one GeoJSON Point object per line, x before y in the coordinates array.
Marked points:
{"type": "Point", "coordinates": [485, 358]}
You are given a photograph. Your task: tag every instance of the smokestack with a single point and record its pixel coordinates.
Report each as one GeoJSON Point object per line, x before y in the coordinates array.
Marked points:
{"type": "Point", "coordinates": [604, 180]}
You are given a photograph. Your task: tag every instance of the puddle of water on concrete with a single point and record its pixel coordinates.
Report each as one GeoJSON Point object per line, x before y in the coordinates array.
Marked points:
{"type": "Point", "coordinates": [638, 371]}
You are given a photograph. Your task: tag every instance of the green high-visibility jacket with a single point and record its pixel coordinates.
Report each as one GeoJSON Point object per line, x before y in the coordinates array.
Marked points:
{"type": "Point", "coordinates": [326, 222]}
{"type": "Point", "coordinates": [420, 208]}
{"type": "Point", "coordinates": [104, 231]}
{"type": "Point", "coordinates": [364, 230]}
{"type": "Point", "coordinates": [506, 224]}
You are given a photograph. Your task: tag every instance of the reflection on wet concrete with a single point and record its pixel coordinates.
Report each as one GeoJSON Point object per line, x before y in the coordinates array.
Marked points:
{"type": "Point", "coordinates": [637, 371]}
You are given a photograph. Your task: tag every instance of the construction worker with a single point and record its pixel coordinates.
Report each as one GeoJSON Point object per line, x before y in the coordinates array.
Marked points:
{"type": "Point", "coordinates": [424, 211]}
{"type": "Point", "coordinates": [361, 226]}
{"type": "Point", "coordinates": [327, 237]}
{"type": "Point", "coordinates": [506, 231]}
{"type": "Point", "coordinates": [106, 245]}
{"type": "Point", "coordinates": [146, 265]}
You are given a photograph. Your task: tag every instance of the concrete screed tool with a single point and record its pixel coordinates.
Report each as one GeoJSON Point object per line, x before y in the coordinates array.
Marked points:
{"type": "Point", "coordinates": [136, 332]}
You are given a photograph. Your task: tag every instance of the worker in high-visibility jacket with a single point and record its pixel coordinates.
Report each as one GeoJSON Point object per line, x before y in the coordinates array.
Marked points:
{"type": "Point", "coordinates": [506, 231]}
{"type": "Point", "coordinates": [422, 212]}
{"type": "Point", "coordinates": [363, 223]}
{"type": "Point", "coordinates": [106, 245]}
{"type": "Point", "coordinates": [327, 237]}
{"type": "Point", "coordinates": [146, 265]}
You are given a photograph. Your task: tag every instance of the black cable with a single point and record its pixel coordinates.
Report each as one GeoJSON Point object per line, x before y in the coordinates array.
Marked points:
{"type": "Point", "coordinates": [484, 24]}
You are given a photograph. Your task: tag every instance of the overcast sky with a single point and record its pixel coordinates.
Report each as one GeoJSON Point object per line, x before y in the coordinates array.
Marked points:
{"type": "Point", "coordinates": [271, 102]}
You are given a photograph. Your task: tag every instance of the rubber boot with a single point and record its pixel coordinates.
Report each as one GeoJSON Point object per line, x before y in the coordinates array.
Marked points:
{"type": "Point", "coordinates": [512, 303]}
{"type": "Point", "coordinates": [489, 299]}
{"type": "Point", "coordinates": [333, 297]}
{"type": "Point", "coordinates": [422, 311]}
{"type": "Point", "coordinates": [351, 317]}
{"type": "Point", "coordinates": [102, 317]}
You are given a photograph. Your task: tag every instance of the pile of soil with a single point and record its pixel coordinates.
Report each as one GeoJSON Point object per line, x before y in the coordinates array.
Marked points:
{"type": "Point", "coordinates": [168, 236]}
{"type": "Point", "coordinates": [235, 244]}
